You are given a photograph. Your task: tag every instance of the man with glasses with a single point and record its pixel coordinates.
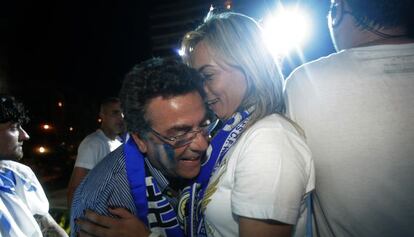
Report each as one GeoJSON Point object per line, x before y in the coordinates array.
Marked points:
{"type": "Point", "coordinates": [24, 208]}
{"type": "Point", "coordinates": [168, 125]}
{"type": "Point", "coordinates": [356, 107]}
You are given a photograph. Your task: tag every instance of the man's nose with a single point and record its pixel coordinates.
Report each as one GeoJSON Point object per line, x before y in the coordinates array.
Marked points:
{"type": "Point", "coordinates": [23, 136]}
{"type": "Point", "coordinates": [200, 142]}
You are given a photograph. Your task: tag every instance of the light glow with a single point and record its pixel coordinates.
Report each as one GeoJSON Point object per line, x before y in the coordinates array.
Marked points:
{"type": "Point", "coordinates": [285, 30]}
{"type": "Point", "coordinates": [46, 126]}
{"type": "Point", "coordinates": [41, 150]}
{"type": "Point", "coordinates": [181, 52]}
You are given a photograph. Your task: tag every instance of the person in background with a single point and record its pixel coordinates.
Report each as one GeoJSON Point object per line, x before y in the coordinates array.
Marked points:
{"type": "Point", "coordinates": [356, 107]}
{"type": "Point", "coordinates": [24, 208]}
{"type": "Point", "coordinates": [98, 144]}
{"type": "Point", "coordinates": [259, 171]}
{"type": "Point", "coordinates": [168, 126]}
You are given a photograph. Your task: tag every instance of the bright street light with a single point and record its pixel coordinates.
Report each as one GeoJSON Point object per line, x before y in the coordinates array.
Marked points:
{"type": "Point", "coordinates": [285, 30]}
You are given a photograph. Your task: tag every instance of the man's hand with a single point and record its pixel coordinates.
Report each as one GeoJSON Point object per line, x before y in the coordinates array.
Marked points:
{"type": "Point", "coordinates": [127, 225]}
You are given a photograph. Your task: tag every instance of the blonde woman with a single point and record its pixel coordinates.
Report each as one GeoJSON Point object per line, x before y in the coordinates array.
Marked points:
{"type": "Point", "coordinates": [259, 169]}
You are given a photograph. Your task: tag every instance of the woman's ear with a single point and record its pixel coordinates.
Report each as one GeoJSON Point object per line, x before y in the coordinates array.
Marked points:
{"type": "Point", "coordinates": [141, 143]}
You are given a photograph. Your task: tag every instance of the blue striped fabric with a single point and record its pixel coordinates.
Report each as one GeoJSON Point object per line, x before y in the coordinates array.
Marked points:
{"type": "Point", "coordinates": [107, 186]}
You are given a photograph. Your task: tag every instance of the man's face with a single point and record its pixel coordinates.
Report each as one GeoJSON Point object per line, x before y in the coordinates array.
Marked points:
{"type": "Point", "coordinates": [12, 136]}
{"type": "Point", "coordinates": [171, 117]}
{"type": "Point", "coordinates": [112, 118]}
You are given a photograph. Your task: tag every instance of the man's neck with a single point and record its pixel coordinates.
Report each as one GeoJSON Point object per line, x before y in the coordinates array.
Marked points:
{"type": "Point", "coordinates": [10, 158]}
{"type": "Point", "coordinates": [384, 41]}
{"type": "Point", "coordinates": [108, 133]}
{"type": "Point", "coordinates": [371, 37]}
{"type": "Point", "coordinates": [177, 183]}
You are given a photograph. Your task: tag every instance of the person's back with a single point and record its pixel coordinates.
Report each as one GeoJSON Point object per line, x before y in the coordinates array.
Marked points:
{"type": "Point", "coordinates": [357, 110]}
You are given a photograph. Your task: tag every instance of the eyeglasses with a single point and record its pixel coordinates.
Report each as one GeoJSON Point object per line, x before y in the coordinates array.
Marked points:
{"type": "Point", "coordinates": [188, 137]}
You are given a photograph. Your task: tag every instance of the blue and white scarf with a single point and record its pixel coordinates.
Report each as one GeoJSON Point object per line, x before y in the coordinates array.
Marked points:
{"type": "Point", "coordinates": [192, 196]}
{"type": "Point", "coordinates": [147, 196]}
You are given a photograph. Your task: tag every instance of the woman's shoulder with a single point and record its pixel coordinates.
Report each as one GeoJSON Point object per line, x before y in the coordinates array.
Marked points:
{"type": "Point", "coordinates": [275, 122]}
{"type": "Point", "coordinates": [273, 130]}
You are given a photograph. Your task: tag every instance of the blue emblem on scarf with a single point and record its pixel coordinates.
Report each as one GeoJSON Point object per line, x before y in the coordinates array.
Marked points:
{"type": "Point", "coordinates": [141, 186]}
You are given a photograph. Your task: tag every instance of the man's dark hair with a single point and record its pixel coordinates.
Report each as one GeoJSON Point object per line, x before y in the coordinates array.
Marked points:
{"type": "Point", "coordinates": [109, 100]}
{"type": "Point", "coordinates": [150, 79]}
{"type": "Point", "coordinates": [12, 110]}
{"type": "Point", "coordinates": [383, 13]}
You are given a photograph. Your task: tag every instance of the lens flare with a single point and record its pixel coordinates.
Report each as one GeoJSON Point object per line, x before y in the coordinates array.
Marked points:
{"type": "Point", "coordinates": [285, 30]}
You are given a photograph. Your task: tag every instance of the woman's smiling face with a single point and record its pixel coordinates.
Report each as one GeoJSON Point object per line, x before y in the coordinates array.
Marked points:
{"type": "Point", "coordinates": [225, 86]}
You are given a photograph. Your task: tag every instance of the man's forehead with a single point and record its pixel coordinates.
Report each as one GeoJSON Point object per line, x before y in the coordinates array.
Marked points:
{"type": "Point", "coordinates": [114, 106]}
{"type": "Point", "coordinates": [175, 111]}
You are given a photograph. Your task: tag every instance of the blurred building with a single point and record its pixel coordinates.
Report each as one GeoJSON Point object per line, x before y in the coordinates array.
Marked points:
{"type": "Point", "coordinates": [169, 21]}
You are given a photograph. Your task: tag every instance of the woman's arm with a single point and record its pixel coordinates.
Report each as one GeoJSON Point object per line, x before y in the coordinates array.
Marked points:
{"type": "Point", "coordinates": [264, 228]}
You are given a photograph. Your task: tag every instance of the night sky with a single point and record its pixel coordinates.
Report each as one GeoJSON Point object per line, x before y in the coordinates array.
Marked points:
{"type": "Point", "coordinates": [75, 46]}
{"type": "Point", "coordinates": [71, 51]}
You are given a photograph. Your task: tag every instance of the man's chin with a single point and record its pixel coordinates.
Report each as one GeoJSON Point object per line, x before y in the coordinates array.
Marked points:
{"type": "Point", "coordinates": [189, 172]}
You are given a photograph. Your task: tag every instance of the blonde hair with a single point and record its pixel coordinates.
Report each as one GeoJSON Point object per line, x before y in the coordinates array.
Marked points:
{"type": "Point", "coordinates": [237, 40]}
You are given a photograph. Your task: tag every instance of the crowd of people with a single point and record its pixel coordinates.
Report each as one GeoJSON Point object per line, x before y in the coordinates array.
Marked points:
{"type": "Point", "coordinates": [220, 144]}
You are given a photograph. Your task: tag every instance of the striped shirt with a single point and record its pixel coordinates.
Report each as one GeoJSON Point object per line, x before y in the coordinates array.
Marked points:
{"type": "Point", "coordinates": [107, 186]}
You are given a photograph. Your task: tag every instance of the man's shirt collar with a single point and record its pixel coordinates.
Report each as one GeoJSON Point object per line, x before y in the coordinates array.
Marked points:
{"type": "Point", "coordinates": [162, 182]}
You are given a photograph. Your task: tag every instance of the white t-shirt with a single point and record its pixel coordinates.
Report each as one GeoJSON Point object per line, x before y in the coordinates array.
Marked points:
{"type": "Point", "coordinates": [94, 148]}
{"type": "Point", "coordinates": [357, 110]}
{"type": "Point", "coordinates": [267, 175]}
{"type": "Point", "coordinates": [19, 204]}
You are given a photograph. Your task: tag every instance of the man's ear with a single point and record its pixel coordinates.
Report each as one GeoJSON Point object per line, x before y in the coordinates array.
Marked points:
{"type": "Point", "coordinates": [337, 12]}
{"type": "Point", "coordinates": [141, 143]}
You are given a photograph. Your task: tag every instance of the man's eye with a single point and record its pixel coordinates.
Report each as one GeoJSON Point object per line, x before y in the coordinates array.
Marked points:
{"type": "Point", "coordinates": [180, 134]}
{"type": "Point", "coordinates": [14, 126]}
{"type": "Point", "coordinates": [208, 77]}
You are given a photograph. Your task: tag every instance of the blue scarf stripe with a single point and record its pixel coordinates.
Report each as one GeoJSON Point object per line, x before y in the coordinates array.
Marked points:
{"type": "Point", "coordinates": [134, 162]}
{"type": "Point", "coordinates": [135, 167]}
